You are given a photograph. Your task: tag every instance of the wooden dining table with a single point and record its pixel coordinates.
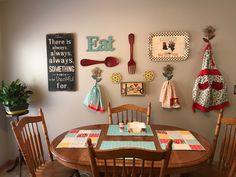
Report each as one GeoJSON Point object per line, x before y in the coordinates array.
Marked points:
{"type": "Point", "coordinates": [181, 161]}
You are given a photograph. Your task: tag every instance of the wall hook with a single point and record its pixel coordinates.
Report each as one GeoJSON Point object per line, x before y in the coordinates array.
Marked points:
{"type": "Point", "coordinates": [209, 33]}
{"type": "Point", "coordinates": [168, 72]}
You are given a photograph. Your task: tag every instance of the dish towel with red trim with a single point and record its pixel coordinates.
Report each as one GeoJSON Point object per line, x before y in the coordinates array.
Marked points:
{"type": "Point", "coordinates": [168, 97]}
{"type": "Point", "coordinates": [209, 90]}
{"type": "Point", "coordinates": [94, 99]}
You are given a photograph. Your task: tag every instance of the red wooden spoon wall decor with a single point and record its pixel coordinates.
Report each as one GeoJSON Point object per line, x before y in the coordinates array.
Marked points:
{"type": "Point", "coordinates": [109, 62]}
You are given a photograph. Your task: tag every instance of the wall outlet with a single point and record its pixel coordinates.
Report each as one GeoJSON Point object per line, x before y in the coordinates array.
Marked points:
{"type": "Point", "coordinates": [235, 89]}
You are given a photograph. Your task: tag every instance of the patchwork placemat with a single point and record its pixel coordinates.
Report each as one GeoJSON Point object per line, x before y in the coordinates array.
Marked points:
{"type": "Point", "coordinates": [114, 130]}
{"type": "Point", "coordinates": [78, 138]}
{"type": "Point", "coordinates": [119, 144]}
{"type": "Point", "coordinates": [182, 140]}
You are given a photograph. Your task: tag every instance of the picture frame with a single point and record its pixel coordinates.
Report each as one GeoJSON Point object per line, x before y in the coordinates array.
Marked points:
{"type": "Point", "coordinates": [168, 46]}
{"type": "Point", "coordinates": [132, 88]}
{"type": "Point", "coordinates": [61, 62]}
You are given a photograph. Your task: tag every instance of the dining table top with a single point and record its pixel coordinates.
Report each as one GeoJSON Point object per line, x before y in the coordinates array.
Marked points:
{"type": "Point", "coordinates": [181, 161]}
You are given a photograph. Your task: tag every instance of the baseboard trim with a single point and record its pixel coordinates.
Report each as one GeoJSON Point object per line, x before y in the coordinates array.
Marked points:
{"type": "Point", "coordinates": [5, 165]}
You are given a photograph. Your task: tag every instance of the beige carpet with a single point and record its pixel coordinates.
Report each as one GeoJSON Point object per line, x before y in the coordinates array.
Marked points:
{"type": "Point", "coordinates": [25, 173]}
{"type": "Point", "coordinates": [16, 172]}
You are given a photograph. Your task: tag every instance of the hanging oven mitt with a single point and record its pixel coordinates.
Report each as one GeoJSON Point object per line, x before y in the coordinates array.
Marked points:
{"type": "Point", "coordinates": [93, 99]}
{"type": "Point", "coordinates": [209, 90]}
{"type": "Point", "coordinates": [168, 97]}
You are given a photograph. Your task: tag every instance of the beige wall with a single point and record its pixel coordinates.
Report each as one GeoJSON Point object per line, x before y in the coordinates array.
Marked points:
{"type": "Point", "coordinates": [4, 137]}
{"type": "Point", "coordinates": [1, 50]}
{"type": "Point", "coordinates": [4, 145]}
{"type": "Point", "coordinates": [26, 24]}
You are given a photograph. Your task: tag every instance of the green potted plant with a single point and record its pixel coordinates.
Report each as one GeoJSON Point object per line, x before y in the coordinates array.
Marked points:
{"type": "Point", "coordinates": [15, 97]}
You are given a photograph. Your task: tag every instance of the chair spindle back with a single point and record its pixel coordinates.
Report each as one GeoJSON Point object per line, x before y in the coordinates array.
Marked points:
{"type": "Point", "coordinates": [135, 161]}
{"type": "Point", "coordinates": [227, 125]}
{"type": "Point", "coordinates": [129, 113]}
{"type": "Point", "coordinates": [27, 133]}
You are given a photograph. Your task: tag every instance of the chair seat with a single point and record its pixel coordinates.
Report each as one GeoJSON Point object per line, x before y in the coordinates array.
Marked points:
{"type": "Point", "coordinates": [54, 169]}
{"type": "Point", "coordinates": [208, 170]}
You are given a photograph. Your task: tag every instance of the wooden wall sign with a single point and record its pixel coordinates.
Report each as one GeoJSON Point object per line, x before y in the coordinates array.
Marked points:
{"type": "Point", "coordinates": [96, 44]}
{"type": "Point", "coordinates": [132, 88]}
{"type": "Point", "coordinates": [61, 65]}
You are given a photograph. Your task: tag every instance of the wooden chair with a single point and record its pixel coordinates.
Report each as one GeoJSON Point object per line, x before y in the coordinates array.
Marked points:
{"type": "Point", "coordinates": [27, 134]}
{"type": "Point", "coordinates": [226, 162]}
{"type": "Point", "coordinates": [128, 113]}
{"type": "Point", "coordinates": [232, 171]}
{"type": "Point", "coordinates": [128, 162]}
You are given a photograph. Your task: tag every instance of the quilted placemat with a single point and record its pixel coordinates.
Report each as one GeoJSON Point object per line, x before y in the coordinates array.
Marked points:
{"type": "Point", "coordinates": [78, 138]}
{"type": "Point", "coordinates": [182, 140]}
{"type": "Point", "coordinates": [114, 130]}
{"type": "Point", "coordinates": [119, 144]}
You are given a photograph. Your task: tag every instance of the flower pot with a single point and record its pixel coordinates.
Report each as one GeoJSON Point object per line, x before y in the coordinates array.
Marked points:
{"type": "Point", "coordinates": [18, 109]}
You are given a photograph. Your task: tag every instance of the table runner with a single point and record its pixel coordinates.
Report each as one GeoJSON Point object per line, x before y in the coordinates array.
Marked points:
{"type": "Point", "coordinates": [137, 144]}
{"type": "Point", "coordinates": [114, 130]}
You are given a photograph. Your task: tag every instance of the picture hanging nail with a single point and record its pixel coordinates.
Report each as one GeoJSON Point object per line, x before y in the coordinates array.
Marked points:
{"type": "Point", "coordinates": [116, 78]}
{"type": "Point", "coordinates": [149, 75]}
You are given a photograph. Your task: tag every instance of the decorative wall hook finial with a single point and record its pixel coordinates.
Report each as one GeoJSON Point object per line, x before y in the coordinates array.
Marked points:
{"type": "Point", "coordinates": [209, 33]}
{"type": "Point", "coordinates": [96, 74]}
{"type": "Point", "coordinates": [94, 100]}
{"type": "Point", "coordinates": [168, 72]}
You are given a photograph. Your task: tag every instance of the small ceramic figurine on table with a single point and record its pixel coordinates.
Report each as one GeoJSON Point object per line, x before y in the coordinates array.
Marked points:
{"type": "Point", "coordinates": [121, 126]}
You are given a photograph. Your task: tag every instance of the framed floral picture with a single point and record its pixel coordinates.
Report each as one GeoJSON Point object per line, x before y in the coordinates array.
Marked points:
{"type": "Point", "coordinates": [168, 46]}
{"type": "Point", "coordinates": [132, 88]}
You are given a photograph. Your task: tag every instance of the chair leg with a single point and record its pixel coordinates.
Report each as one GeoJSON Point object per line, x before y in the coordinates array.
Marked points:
{"type": "Point", "coordinates": [20, 163]}
{"type": "Point", "coordinates": [76, 174]}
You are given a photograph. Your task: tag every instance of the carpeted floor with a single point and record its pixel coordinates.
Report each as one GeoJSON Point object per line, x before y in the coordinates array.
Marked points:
{"type": "Point", "coordinates": [15, 172]}
{"type": "Point", "coordinates": [25, 173]}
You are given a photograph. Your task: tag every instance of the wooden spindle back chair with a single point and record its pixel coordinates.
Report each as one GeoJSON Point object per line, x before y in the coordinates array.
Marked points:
{"type": "Point", "coordinates": [129, 162]}
{"type": "Point", "coordinates": [28, 136]}
{"type": "Point", "coordinates": [225, 164]}
{"type": "Point", "coordinates": [129, 113]}
{"type": "Point", "coordinates": [228, 144]}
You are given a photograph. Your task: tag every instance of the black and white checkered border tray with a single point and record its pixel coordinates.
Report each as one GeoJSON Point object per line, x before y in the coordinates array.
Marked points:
{"type": "Point", "coordinates": [171, 58]}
